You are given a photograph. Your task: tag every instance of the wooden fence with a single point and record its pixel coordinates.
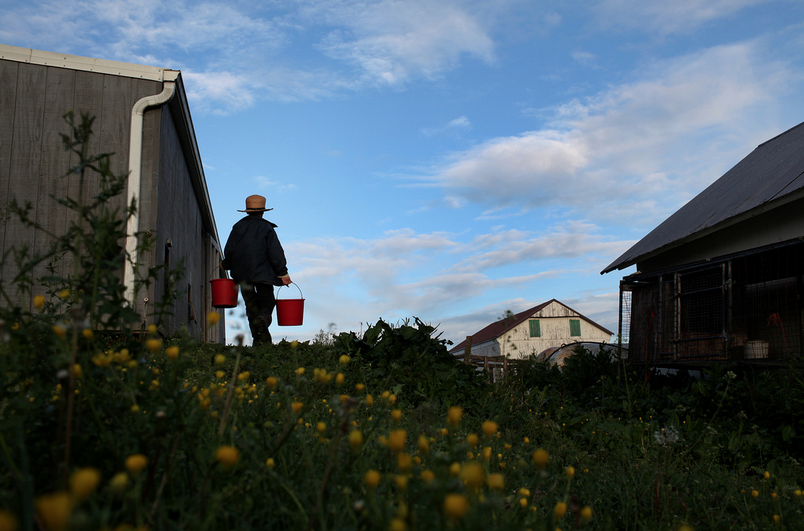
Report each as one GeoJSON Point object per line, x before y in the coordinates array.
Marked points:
{"type": "Point", "coordinates": [497, 367]}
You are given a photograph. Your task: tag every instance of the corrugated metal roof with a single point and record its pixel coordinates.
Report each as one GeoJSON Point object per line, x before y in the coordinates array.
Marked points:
{"type": "Point", "coordinates": [770, 175]}
{"type": "Point", "coordinates": [498, 328]}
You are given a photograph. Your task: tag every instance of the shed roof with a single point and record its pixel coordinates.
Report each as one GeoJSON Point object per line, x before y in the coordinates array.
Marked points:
{"type": "Point", "coordinates": [770, 176]}
{"type": "Point", "coordinates": [498, 328]}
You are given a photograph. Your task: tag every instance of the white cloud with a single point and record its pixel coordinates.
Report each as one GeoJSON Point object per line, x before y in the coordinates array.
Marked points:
{"type": "Point", "coordinates": [237, 52]}
{"type": "Point", "coordinates": [406, 273]}
{"type": "Point", "coordinates": [678, 16]}
{"type": "Point", "coordinates": [392, 41]}
{"type": "Point", "coordinates": [683, 121]}
{"type": "Point", "coordinates": [461, 123]}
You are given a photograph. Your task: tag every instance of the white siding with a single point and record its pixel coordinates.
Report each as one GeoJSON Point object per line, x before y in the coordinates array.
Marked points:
{"type": "Point", "coordinates": [554, 321]}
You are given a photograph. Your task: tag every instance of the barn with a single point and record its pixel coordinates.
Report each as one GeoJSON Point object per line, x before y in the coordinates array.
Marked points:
{"type": "Point", "coordinates": [518, 336]}
{"type": "Point", "coordinates": [142, 116]}
{"type": "Point", "coordinates": [722, 279]}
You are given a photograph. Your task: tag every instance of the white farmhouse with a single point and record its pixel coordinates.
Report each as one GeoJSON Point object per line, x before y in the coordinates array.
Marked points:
{"type": "Point", "coordinates": [550, 324]}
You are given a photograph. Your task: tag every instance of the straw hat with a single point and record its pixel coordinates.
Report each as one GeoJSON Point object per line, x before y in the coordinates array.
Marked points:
{"type": "Point", "coordinates": [255, 203]}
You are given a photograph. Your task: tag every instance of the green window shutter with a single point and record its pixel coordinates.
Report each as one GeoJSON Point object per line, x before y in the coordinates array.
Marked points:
{"type": "Point", "coordinates": [575, 328]}
{"type": "Point", "coordinates": [535, 328]}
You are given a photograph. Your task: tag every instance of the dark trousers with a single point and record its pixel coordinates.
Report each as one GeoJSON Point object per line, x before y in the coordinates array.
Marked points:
{"type": "Point", "coordinates": [260, 303]}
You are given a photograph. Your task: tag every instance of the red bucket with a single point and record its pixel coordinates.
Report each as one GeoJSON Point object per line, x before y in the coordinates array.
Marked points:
{"type": "Point", "coordinates": [290, 312]}
{"type": "Point", "coordinates": [224, 293]}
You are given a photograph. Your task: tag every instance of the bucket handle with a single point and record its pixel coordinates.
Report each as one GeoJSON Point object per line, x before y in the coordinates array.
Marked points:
{"type": "Point", "coordinates": [225, 273]}
{"type": "Point", "coordinates": [297, 287]}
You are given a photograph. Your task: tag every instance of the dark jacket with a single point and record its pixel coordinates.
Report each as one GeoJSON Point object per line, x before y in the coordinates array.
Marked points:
{"type": "Point", "coordinates": [253, 252]}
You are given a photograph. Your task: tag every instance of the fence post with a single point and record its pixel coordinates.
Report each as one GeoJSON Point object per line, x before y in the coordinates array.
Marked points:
{"type": "Point", "coordinates": [467, 350]}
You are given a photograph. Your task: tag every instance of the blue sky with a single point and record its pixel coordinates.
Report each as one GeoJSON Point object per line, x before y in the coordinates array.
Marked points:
{"type": "Point", "coordinates": [452, 160]}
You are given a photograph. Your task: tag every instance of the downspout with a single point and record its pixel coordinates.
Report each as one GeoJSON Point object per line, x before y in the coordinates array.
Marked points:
{"type": "Point", "coordinates": [135, 180]}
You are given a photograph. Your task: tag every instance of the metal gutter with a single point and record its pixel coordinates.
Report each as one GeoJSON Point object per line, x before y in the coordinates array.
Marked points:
{"type": "Point", "coordinates": [135, 181]}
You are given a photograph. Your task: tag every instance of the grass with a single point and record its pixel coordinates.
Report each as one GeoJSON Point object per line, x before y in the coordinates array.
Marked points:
{"type": "Point", "coordinates": [105, 424]}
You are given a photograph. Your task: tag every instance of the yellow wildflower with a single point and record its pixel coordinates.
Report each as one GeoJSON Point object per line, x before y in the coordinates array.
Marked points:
{"type": "Point", "coordinates": [424, 444]}
{"type": "Point", "coordinates": [396, 440]}
{"type": "Point", "coordinates": [371, 479]}
{"type": "Point", "coordinates": [172, 352]}
{"type": "Point", "coordinates": [359, 387]}
{"type": "Point", "coordinates": [219, 359]}
{"type": "Point", "coordinates": [271, 381]}
{"type": "Point", "coordinates": [84, 481]}
{"type": "Point", "coordinates": [586, 513]}
{"type": "Point", "coordinates": [63, 294]}
{"type": "Point", "coordinates": [339, 378]}
{"type": "Point", "coordinates": [454, 415]}
{"type": "Point", "coordinates": [495, 481]}
{"type": "Point", "coordinates": [213, 318]}
{"type": "Point", "coordinates": [135, 463]}
{"type": "Point", "coordinates": [356, 439]}
{"type": "Point", "coordinates": [38, 302]}
{"type": "Point", "coordinates": [227, 455]}
{"type": "Point", "coordinates": [404, 462]}
{"type": "Point", "coordinates": [8, 522]}
{"type": "Point", "coordinates": [397, 524]}
{"type": "Point", "coordinates": [76, 371]}
{"type": "Point", "coordinates": [344, 359]}
{"type": "Point", "coordinates": [472, 475]}
{"type": "Point", "coordinates": [455, 505]}
{"type": "Point", "coordinates": [570, 471]}
{"type": "Point", "coordinates": [88, 334]}
{"type": "Point", "coordinates": [60, 331]}
{"type": "Point", "coordinates": [119, 481]}
{"type": "Point", "coordinates": [560, 510]}
{"type": "Point", "coordinates": [154, 345]}
{"type": "Point", "coordinates": [472, 439]}
{"type": "Point", "coordinates": [396, 415]}
{"type": "Point", "coordinates": [270, 463]}
{"type": "Point", "coordinates": [489, 427]}
{"type": "Point", "coordinates": [54, 510]}
{"type": "Point", "coordinates": [540, 458]}
{"type": "Point", "coordinates": [428, 476]}
{"type": "Point", "coordinates": [369, 400]}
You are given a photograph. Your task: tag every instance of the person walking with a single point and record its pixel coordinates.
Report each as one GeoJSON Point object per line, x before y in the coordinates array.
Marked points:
{"type": "Point", "coordinates": [257, 263]}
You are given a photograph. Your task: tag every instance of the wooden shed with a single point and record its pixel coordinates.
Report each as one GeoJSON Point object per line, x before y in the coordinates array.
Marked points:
{"type": "Point", "coordinates": [141, 116]}
{"type": "Point", "coordinates": [723, 278]}
{"type": "Point", "coordinates": [550, 324]}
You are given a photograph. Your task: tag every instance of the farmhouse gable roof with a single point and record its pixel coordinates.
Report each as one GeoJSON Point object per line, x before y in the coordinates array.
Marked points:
{"type": "Point", "coordinates": [770, 176]}
{"type": "Point", "coordinates": [499, 328]}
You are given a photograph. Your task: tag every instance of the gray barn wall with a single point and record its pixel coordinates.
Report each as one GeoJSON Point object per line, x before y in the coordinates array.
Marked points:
{"type": "Point", "coordinates": [178, 219]}
{"type": "Point", "coordinates": [33, 163]}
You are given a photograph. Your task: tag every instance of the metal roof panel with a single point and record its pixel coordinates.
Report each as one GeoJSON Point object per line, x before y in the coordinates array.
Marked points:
{"type": "Point", "coordinates": [774, 169]}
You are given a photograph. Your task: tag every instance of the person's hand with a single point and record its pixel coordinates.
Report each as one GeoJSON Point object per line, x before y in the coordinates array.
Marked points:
{"type": "Point", "coordinates": [286, 280]}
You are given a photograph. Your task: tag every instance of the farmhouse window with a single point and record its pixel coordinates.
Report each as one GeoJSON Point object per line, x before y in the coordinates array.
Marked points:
{"type": "Point", "coordinates": [535, 328]}
{"type": "Point", "coordinates": [575, 328]}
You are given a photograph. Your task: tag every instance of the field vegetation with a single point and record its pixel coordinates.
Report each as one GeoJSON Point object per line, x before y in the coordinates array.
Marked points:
{"type": "Point", "coordinates": [107, 423]}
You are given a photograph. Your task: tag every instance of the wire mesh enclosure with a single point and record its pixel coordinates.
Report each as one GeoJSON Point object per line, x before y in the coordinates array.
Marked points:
{"type": "Point", "coordinates": [744, 307]}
